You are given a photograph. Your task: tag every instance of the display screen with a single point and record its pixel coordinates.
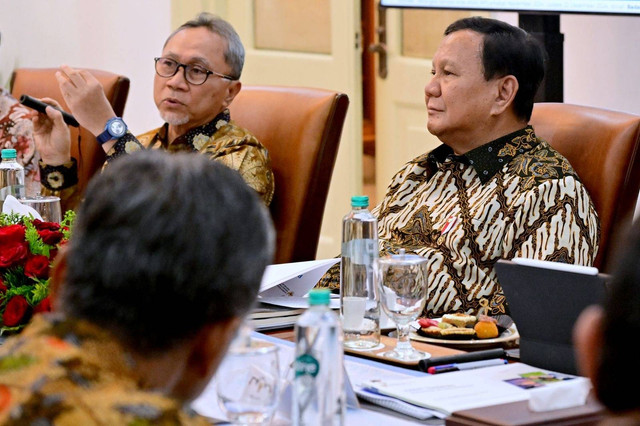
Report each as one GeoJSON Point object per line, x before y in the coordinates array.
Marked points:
{"type": "Point", "coordinates": [614, 7]}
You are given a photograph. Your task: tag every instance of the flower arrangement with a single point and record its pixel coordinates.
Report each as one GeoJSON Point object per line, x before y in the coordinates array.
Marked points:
{"type": "Point", "coordinates": [28, 247]}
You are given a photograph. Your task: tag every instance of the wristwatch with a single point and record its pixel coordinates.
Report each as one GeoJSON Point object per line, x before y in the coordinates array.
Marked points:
{"type": "Point", "coordinates": [114, 129]}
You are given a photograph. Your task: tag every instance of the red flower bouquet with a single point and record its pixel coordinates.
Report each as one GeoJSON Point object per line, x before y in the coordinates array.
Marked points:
{"type": "Point", "coordinates": [27, 249]}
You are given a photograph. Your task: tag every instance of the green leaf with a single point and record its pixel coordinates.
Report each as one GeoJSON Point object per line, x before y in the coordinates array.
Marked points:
{"type": "Point", "coordinates": [39, 292]}
{"type": "Point", "coordinates": [10, 219]}
{"type": "Point", "coordinates": [67, 223]}
{"type": "Point", "coordinates": [15, 277]}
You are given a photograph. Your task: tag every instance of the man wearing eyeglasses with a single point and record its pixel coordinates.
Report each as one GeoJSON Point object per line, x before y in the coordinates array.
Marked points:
{"type": "Point", "coordinates": [197, 78]}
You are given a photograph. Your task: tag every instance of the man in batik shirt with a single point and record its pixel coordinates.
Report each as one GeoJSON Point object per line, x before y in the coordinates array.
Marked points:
{"type": "Point", "coordinates": [149, 292]}
{"type": "Point", "coordinates": [493, 190]}
{"type": "Point", "coordinates": [16, 131]}
{"type": "Point", "coordinates": [197, 78]}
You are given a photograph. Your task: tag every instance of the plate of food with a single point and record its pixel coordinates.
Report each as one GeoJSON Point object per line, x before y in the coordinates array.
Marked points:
{"type": "Point", "coordinates": [466, 331]}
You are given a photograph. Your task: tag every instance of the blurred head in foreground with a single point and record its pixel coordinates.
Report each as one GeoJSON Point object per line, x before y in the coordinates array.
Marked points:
{"type": "Point", "coordinates": [167, 254]}
{"type": "Point", "coordinates": [603, 335]}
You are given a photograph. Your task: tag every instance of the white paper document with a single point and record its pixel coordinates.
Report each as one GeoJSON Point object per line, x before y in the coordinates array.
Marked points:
{"type": "Point", "coordinates": [292, 280]}
{"type": "Point", "coordinates": [463, 390]}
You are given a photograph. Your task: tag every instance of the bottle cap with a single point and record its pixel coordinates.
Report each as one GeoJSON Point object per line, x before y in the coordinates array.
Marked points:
{"type": "Point", "coordinates": [319, 296]}
{"type": "Point", "coordinates": [359, 201]}
{"type": "Point", "coordinates": [8, 153]}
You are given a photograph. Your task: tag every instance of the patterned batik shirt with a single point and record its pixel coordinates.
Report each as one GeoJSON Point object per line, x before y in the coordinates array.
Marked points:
{"type": "Point", "coordinates": [67, 372]}
{"type": "Point", "coordinates": [513, 197]}
{"type": "Point", "coordinates": [16, 131]}
{"type": "Point", "coordinates": [221, 139]}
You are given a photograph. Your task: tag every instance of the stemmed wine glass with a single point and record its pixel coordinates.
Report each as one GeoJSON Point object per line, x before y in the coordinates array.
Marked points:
{"type": "Point", "coordinates": [402, 285]}
{"type": "Point", "coordinates": [248, 383]}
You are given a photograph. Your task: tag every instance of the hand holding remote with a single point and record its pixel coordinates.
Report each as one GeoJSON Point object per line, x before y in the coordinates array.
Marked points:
{"type": "Point", "coordinates": [40, 106]}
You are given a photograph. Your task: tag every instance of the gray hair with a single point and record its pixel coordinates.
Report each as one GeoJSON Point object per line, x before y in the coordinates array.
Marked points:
{"type": "Point", "coordinates": [157, 261]}
{"type": "Point", "coordinates": [234, 54]}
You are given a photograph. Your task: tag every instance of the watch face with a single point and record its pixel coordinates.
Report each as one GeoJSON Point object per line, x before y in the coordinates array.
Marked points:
{"type": "Point", "coordinates": [117, 128]}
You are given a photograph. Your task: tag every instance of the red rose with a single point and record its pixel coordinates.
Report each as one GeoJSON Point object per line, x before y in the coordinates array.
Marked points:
{"type": "Point", "coordinates": [51, 226]}
{"type": "Point", "coordinates": [37, 266]}
{"type": "Point", "coordinates": [15, 310]}
{"type": "Point", "coordinates": [50, 237]}
{"type": "Point", "coordinates": [13, 253]}
{"type": "Point", "coordinates": [43, 306]}
{"type": "Point", "coordinates": [11, 234]}
{"type": "Point", "coordinates": [53, 253]}
{"type": "Point", "coordinates": [3, 288]}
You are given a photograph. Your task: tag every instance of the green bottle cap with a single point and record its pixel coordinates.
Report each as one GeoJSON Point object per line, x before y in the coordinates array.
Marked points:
{"type": "Point", "coordinates": [319, 296]}
{"type": "Point", "coordinates": [360, 201]}
{"type": "Point", "coordinates": [8, 153]}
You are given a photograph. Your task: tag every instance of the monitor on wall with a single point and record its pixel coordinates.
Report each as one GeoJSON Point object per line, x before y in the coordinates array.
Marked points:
{"type": "Point", "coordinates": [607, 7]}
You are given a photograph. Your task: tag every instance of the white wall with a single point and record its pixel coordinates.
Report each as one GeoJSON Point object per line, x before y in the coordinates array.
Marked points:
{"type": "Point", "coordinates": [121, 36]}
{"type": "Point", "coordinates": [601, 60]}
{"type": "Point", "coordinates": [601, 53]}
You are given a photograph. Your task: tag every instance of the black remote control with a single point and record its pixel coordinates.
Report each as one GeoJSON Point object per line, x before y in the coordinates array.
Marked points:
{"type": "Point", "coordinates": [40, 106]}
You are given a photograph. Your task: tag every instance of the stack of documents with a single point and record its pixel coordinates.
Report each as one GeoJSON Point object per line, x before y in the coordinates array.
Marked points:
{"type": "Point", "coordinates": [283, 293]}
{"type": "Point", "coordinates": [467, 389]}
{"type": "Point", "coordinates": [265, 316]}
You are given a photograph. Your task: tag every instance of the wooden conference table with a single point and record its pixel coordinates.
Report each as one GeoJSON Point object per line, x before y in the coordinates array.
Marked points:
{"type": "Point", "coordinates": [511, 414]}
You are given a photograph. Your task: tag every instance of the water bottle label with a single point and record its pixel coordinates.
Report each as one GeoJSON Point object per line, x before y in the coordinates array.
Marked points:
{"type": "Point", "coordinates": [361, 251]}
{"type": "Point", "coordinates": [306, 365]}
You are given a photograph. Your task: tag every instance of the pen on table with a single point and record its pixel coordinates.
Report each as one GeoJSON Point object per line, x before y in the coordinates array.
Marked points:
{"type": "Point", "coordinates": [465, 365]}
{"type": "Point", "coordinates": [424, 364]}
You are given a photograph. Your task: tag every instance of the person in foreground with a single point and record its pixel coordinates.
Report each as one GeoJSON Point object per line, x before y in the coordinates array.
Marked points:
{"type": "Point", "coordinates": [603, 338]}
{"type": "Point", "coordinates": [156, 280]}
{"type": "Point", "coordinates": [197, 78]}
{"type": "Point", "coordinates": [493, 189]}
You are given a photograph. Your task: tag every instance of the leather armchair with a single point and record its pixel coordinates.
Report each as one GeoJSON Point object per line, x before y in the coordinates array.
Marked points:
{"type": "Point", "coordinates": [301, 128]}
{"type": "Point", "coordinates": [41, 82]}
{"type": "Point", "coordinates": [604, 148]}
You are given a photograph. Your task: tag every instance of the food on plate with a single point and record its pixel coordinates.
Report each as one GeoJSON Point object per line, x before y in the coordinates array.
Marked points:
{"type": "Point", "coordinates": [486, 327]}
{"type": "Point", "coordinates": [482, 327]}
{"type": "Point", "coordinates": [431, 331]}
{"type": "Point", "coordinates": [459, 319]}
{"type": "Point", "coordinates": [447, 332]}
{"type": "Point", "coordinates": [458, 333]}
{"type": "Point", "coordinates": [427, 322]}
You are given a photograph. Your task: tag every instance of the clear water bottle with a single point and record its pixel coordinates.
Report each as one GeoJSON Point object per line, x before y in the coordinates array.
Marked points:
{"type": "Point", "coordinates": [318, 384]}
{"type": "Point", "coordinates": [359, 306]}
{"type": "Point", "coordinates": [11, 176]}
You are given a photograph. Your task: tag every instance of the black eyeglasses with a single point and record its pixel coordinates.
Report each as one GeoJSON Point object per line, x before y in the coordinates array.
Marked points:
{"type": "Point", "coordinates": [194, 74]}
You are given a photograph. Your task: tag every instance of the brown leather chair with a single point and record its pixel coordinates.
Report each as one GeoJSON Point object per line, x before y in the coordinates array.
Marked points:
{"type": "Point", "coordinates": [301, 128]}
{"type": "Point", "coordinates": [41, 82]}
{"type": "Point", "coordinates": [604, 148]}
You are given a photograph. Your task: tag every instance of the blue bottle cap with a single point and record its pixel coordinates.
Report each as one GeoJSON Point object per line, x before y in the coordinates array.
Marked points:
{"type": "Point", "coordinates": [8, 153]}
{"type": "Point", "coordinates": [359, 201]}
{"type": "Point", "coordinates": [319, 296]}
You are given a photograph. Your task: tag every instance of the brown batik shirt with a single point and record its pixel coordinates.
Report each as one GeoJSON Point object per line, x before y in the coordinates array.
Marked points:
{"type": "Point", "coordinates": [67, 372]}
{"type": "Point", "coordinates": [513, 197]}
{"type": "Point", "coordinates": [221, 139]}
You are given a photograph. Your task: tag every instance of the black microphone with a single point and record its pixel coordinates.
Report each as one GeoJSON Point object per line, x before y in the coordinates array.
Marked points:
{"type": "Point", "coordinates": [40, 106]}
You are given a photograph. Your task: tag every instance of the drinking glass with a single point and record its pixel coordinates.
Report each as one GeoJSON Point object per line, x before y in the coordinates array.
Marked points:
{"type": "Point", "coordinates": [47, 207]}
{"type": "Point", "coordinates": [248, 383]}
{"type": "Point", "coordinates": [402, 285]}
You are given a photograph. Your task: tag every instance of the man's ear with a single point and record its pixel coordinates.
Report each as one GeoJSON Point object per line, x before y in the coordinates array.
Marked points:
{"type": "Point", "coordinates": [506, 89]}
{"type": "Point", "coordinates": [58, 275]}
{"type": "Point", "coordinates": [588, 340]}
{"type": "Point", "coordinates": [207, 350]}
{"type": "Point", "coordinates": [232, 90]}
